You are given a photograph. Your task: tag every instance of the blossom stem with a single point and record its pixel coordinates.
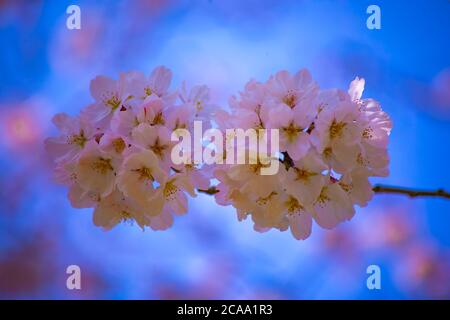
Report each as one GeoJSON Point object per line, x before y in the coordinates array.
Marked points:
{"type": "Point", "coordinates": [411, 192]}
{"type": "Point", "coordinates": [211, 190]}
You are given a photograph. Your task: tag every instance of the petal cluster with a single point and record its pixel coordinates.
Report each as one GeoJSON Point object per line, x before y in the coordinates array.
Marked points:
{"type": "Point", "coordinates": [115, 155]}
{"type": "Point", "coordinates": [330, 143]}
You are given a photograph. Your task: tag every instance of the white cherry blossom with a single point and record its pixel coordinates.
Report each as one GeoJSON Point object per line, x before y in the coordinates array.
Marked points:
{"type": "Point", "coordinates": [115, 156]}
{"type": "Point", "coordinates": [75, 132]}
{"type": "Point", "coordinates": [138, 176]}
{"type": "Point", "coordinates": [96, 170]}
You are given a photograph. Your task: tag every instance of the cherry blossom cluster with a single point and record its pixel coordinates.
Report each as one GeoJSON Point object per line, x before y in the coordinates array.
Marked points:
{"type": "Point", "coordinates": [115, 156]}
{"type": "Point", "coordinates": [330, 143]}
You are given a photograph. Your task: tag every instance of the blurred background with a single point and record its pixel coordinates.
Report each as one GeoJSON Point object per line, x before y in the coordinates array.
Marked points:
{"type": "Point", "coordinates": [46, 68]}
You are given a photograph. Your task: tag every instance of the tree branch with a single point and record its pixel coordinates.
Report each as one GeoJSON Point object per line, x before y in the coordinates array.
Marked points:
{"type": "Point", "coordinates": [211, 190]}
{"type": "Point", "coordinates": [411, 192]}
{"type": "Point", "coordinates": [379, 188]}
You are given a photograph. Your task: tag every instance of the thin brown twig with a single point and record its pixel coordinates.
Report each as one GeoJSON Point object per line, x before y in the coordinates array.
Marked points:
{"type": "Point", "coordinates": [211, 190]}
{"type": "Point", "coordinates": [413, 193]}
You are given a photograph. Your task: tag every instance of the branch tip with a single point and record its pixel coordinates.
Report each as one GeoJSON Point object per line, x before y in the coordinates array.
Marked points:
{"type": "Point", "coordinates": [412, 193]}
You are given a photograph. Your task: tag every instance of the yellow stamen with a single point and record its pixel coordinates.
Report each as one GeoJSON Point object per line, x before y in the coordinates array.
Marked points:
{"type": "Point", "coordinates": [113, 101]}
{"type": "Point", "coordinates": [323, 197]}
{"type": "Point", "coordinates": [79, 139]}
{"type": "Point", "coordinates": [145, 173]}
{"type": "Point", "coordinates": [158, 119]}
{"type": "Point", "coordinates": [102, 165]}
{"type": "Point", "coordinates": [303, 174]}
{"type": "Point", "coordinates": [170, 190]}
{"type": "Point", "coordinates": [158, 148]}
{"type": "Point", "coordinates": [293, 206]}
{"type": "Point", "coordinates": [367, 133]}
{"type": "Point", "coordinates": [119, 145]}
{"type": "Point", "coordinates": [263, 201]}
{"type": "Point", "coordinates": [336, 129]}
{"type": "Point", "coordinates": [148, 91]}
{"type": "Point", "coordinates": [290, 99]}
{"type": "Point", "coordinates": [199, 105]}
{"type": "Point", "coordinates": [292, 131]}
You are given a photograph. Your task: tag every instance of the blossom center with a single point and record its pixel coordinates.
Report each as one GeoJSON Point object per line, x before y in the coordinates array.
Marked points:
{"type": "Point", "coordinates": [102, 166]}
{"type": "Point", "coordinates": [367, 133]}
{"type": "Point", "coordinates": [292, 131]}
{"type": "Point", "coordinates": [263, 201]}
{"type": "Point", "coordinates": [148, 91]}
{"type": "Point", "coordinates": [323, 197]}
{"type": "Point", "coordinates": [199, 105]}
{"type": "Point", "coordinates": [170, 189]}
{"type": "Point", "coordinates": [113, 102]}
{"type": "Point", "coordinates": [327, 152]}
{"type": "Point", "coordinates": [125, 215]}
{"type": "Point", "coordinates": [293, 206]}
{"type": "Point", "coordinates": [336, 129]}
{"type": "Point", "coordinates": [158, 148]}
{"type": "Point", "coordinates": [361, 161]}
{"type": "Point", "coordinates": [145, 173]}
{"type": "Point", "coordinates": [158, 119]}
{"type": "Point", "coordinates": [346, 187]}
{"type": "Point", "coordinates": [290, 100]}
{"type": "Point", "coordinates": [303, 174]}
{"type": "Point", "coordinates": [257, 166]}
{"type": "Point", "coordinates": [78, 139]}
{"type": "Point", "coordinates": [119, 145]}
{"type": "Point", "coordinates": [180, 125]}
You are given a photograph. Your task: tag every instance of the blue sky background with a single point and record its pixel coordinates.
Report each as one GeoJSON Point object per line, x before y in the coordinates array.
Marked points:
{"type": "Point", "coordinates": [46, 68]}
